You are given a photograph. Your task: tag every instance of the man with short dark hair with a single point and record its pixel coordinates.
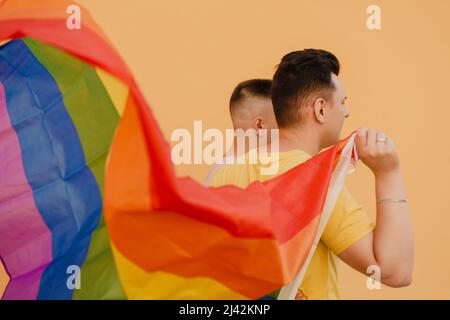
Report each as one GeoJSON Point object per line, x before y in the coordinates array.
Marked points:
{"type": "Point", "coordinates": [250, 109]}
{"type": "Point", "coordinates": [309, 106]}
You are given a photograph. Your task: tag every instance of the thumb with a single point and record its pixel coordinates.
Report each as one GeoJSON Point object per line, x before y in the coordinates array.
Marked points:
{"type": "Point", "coordinates": [361, 138]}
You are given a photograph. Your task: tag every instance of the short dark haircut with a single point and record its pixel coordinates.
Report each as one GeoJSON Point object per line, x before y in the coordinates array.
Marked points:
{"type": "Point", "coordinates": [300, 74]}
{"type": "Point", "coordinates": [250, 88]}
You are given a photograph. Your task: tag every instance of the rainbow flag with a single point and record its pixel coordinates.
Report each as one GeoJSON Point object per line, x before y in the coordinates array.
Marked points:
{"type": "Point", "coordinates": [59, 109]}
{"type": "Point", "coordinates": [67, 103]}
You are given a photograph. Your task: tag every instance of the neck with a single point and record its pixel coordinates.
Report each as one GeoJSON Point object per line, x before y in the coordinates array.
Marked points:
{"type": "Point", "coordinates": [300, 138]}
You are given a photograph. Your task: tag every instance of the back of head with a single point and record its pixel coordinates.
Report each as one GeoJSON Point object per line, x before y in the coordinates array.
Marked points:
{"type": "Point", "coordinates": [250, 99]}
{"type": "Point", "coordinates": [300, 76]}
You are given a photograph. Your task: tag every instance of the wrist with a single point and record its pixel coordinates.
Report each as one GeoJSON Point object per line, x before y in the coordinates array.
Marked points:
{"type": "Point", "coordinates": [389, 185]}
{"type": "Point", "coordinates": [392, 172]}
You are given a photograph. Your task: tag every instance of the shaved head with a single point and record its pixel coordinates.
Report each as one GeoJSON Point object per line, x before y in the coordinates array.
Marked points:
{"type": "Point", "coordinates": [251, 103]}
{"type": "Point", "coordinates": [249, 109]}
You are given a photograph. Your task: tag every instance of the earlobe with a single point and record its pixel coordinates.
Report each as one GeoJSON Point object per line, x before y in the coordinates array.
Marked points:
{"type": "Point", "coordinates": [258, 123]}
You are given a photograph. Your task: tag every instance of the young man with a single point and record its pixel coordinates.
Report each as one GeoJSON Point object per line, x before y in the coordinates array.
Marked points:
{"type": "Point", "coordinates": [309, 106]}
{"type": "Point", "coordinates": [250, 108]}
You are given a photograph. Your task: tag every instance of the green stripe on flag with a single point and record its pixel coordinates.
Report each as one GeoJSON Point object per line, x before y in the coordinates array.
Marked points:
{"type": "Point", "coordinates": [95, 118]}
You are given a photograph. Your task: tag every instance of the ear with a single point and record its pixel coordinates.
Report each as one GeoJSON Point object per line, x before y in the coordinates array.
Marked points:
{"type": "Point", "coordinates": [320, 109]}
{"type": "Point", "coordinates": [258, 124]}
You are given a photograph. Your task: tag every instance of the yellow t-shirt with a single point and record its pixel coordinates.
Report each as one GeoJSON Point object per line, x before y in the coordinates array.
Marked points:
{"type": "Point", "coordinates": [347, 224]}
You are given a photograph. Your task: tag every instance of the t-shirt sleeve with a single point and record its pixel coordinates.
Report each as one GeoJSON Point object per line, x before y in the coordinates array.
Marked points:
{"type": "Point", "coordinates": [347, 224]}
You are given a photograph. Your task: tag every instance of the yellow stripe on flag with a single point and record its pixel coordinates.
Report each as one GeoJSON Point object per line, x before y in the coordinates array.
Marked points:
{"type": "Point", "coordinates": [140, 284]}
{"type": "Point", "coordinates": [117, 90]}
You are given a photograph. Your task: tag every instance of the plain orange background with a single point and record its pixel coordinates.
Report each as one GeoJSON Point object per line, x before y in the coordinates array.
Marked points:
{"type": "Point", "coordinates": [187, 57]}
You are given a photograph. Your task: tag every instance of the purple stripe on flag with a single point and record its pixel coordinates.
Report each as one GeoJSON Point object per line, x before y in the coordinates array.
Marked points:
{"type": "Point", "coordinates": [25, 241]}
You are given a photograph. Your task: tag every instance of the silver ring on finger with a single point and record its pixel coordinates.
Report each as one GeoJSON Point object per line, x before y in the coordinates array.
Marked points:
{"type": "Point", "coordinates": [381, 139]}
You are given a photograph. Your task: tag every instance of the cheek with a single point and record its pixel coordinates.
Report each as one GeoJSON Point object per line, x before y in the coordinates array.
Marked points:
{"type": "Point", "coordinates": [338, 114]}
{"type": "Point", "coordinates": [338, 119]}
{"type": "Point", "coordinates": [342, 113]}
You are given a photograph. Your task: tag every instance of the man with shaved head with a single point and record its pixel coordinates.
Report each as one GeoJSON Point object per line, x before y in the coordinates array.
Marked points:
{"type": "Point", "coordinates": [250, 108]}
{"type": "Point", "coordinates": [251, 105]}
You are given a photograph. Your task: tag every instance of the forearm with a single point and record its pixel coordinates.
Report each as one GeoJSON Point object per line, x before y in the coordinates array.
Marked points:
{"type": "Point", "coordinates": [393, 242]}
